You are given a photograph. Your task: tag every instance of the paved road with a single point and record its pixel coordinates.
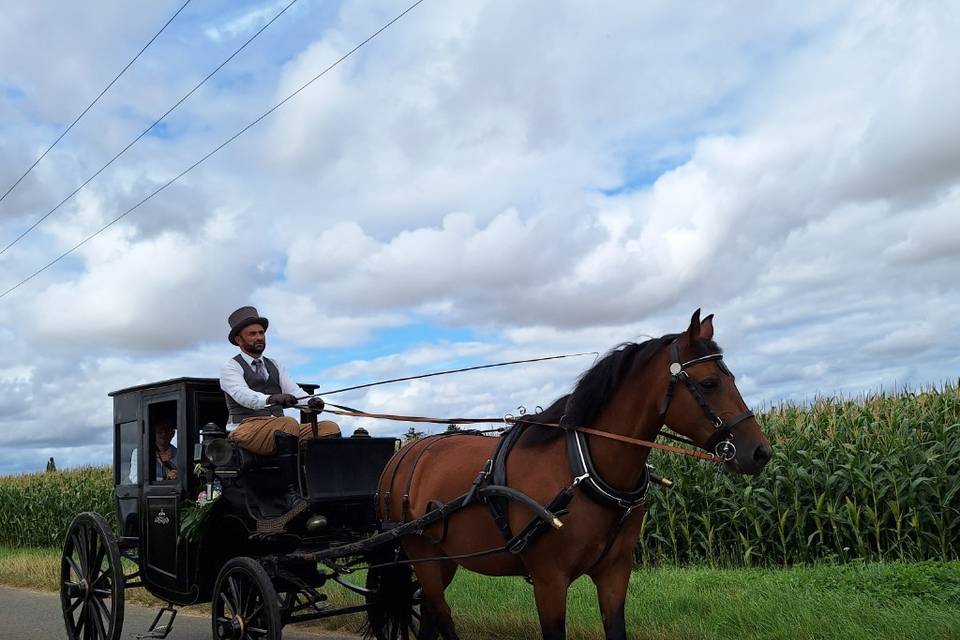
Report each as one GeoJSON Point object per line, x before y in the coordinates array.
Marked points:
{"type": "Point", "coordinates": [30, 615]}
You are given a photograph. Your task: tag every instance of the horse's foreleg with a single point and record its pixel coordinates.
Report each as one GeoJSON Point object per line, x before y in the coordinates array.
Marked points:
{"type": "Point", "coordinates": [551, 594]}
{"type": "Point", "coordinates": [612, 580]}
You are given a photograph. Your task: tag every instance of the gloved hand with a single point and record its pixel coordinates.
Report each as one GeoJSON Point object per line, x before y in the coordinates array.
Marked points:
{"type": "Point", "coordinates": [282, 399]}
{"type": "Point", "coordinates": [316, 403]}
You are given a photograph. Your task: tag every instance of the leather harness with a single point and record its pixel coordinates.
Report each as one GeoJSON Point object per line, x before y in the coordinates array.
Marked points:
{"type": "Point", "coordinates": [491, 485]}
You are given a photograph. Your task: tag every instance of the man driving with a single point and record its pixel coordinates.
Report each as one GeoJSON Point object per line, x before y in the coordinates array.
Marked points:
{"type": "Point", "coordinates": [257, 389]}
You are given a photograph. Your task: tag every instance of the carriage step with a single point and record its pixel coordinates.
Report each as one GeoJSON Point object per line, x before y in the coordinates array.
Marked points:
{"type": "Point", "coordinates": [158, 630]}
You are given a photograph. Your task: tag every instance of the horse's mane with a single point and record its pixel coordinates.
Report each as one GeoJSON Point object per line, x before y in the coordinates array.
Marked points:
{"type": "Point", "coordinates": [597, 385]}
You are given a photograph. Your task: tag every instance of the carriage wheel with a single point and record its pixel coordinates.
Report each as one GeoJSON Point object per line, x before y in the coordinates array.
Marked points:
{"type": "Point", "coordinates": [91, 580]}
{"type": "Point", "coordinates": [245, 603]}
{"type": "Point", "coordinates": [394, 612]}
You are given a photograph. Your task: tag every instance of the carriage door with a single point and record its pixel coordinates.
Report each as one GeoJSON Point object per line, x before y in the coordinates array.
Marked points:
{"type": "Point", "coordinates": [163, 469]}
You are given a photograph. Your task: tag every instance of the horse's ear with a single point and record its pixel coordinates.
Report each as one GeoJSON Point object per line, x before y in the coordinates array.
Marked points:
{"type": "Point", "coordinates": [706, 328]}
{"type": "Point", "coordinates": [693, 331]}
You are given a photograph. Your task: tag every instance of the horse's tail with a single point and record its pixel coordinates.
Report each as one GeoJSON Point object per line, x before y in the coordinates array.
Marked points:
{"type": "Point", "coordinates": [392, 599]}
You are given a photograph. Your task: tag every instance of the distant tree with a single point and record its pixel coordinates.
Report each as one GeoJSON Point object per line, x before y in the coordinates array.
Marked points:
{"type": "Point", "coordinates": [412, 435]}
{"type": "Point", "coordinates": [453, 428]}
{"type": "Point", "coordinates": [51, 465]}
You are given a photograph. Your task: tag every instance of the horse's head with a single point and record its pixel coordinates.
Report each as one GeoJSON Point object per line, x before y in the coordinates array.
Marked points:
{"type": "Point", "coordinates": [703, 403]}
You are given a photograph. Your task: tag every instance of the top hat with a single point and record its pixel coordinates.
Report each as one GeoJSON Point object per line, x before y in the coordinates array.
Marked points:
{"type": "Point", "coordinates": [244, 317]}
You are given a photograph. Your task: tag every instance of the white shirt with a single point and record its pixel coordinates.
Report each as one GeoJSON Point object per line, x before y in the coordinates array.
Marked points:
{"type": "Point", "coordinates": [160, 472]}
{"type": "Point", "coordinates": [232, 382]}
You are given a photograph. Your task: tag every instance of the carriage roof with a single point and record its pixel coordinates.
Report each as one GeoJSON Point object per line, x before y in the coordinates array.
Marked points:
{"type": "Point", "coordinates": [200, 382]}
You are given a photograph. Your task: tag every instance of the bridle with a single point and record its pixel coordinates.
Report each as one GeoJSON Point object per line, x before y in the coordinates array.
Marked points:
{"type": "Point", "coordinates": [720, 443]}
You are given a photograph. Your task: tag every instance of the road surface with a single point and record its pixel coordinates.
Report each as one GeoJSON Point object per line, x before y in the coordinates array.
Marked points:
{"type": "Point", "coordinates": [31, 615]}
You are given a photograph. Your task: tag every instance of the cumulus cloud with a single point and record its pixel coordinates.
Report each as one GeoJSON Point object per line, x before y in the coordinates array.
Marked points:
{"type": "Point", "coordinates": [539, 178]}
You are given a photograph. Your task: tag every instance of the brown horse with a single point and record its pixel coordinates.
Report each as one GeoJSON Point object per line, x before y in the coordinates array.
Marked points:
{"type": "Point", "coordinates": [633, 391]}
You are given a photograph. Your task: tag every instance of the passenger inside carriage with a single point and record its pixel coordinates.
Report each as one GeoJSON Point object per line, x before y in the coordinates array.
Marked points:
{"type": "Point", "coordinates": [163, 430]}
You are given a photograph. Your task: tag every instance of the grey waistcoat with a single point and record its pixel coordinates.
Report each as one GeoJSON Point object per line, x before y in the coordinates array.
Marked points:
{"type": "Point", "coordinates": [272, 385]}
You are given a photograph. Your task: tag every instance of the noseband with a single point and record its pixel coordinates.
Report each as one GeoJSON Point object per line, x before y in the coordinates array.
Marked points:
{"type": "Point", "coordinates": [720, 442]}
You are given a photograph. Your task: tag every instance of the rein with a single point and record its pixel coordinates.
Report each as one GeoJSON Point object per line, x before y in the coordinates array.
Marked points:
{"type": "Point", "coordinates": [356, 413]}
{"type": "Point", "coordinates": [719, 447]}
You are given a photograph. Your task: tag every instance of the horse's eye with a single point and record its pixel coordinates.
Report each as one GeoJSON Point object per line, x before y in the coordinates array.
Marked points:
{"type": "Point", "coordinates": [709, 384]}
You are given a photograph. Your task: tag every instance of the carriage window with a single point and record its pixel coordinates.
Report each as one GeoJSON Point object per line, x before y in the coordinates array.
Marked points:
{"type": "Point", "coordinates": [162, 439]}
{"type": "Point", "coordinates": [128, 439]}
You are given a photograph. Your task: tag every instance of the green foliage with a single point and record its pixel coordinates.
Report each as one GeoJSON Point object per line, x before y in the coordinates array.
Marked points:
{"type": "Point", "coordinates": [37, 508]}
{"type": "Point", "coordinates": [194, 517]}
{"type": "Point", "coordinates": [412, 435]}
{"type": "Point", "coordinates": [872, 479]}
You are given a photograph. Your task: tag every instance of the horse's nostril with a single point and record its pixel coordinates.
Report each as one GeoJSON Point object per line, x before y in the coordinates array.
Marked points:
{"type": "Point", "coordinates": [762, 454]}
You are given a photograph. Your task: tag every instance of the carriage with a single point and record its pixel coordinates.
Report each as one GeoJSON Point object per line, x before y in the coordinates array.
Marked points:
{"type": "Point", "coordinates": [184, 548]}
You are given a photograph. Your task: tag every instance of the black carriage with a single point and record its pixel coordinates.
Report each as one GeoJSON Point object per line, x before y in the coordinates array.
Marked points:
{"type": "Point", "coordinates": [185, 548]}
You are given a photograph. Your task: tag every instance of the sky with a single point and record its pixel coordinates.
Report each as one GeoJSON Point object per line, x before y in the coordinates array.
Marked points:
{"type": "Point", "coordinates": [484, 181]}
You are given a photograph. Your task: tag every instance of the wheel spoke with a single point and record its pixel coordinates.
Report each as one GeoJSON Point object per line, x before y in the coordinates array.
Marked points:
{"type": "Point", "coordinates": [227, 604]}
{"type": "Point", "coordinates": [73, 564]}
{"type": "Point", "coordinates": [81, 619]}
{"type": "Point", "coordinates": [101, 630]}
{"type": "Point", "coordinates": [256, 612]}
{"type": "Point", "coordinates": [235, 592]}
{"type": "Point", "coordinates": [101, 606]}
{"type": "Point", "coordinates": [80, 546]}
{"type": "Point", "coordinates": [87, 549]}
{"type": "Point", "coordinates": [256, 632]}
{"type": "Point", "coordinates": [96, 568]}
{"type": "Point", "coordinates": [249, 598]}
{"type": "Point", "coordinates": [84, 621]}
{"type": "Point", "coordinates": [73, 607]}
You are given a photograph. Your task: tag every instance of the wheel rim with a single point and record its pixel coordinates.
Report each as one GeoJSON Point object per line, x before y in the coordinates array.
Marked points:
{"type": "Point", "coordinates": [87, 584]}
{"type": "Point", "coordinates": [240, 610]}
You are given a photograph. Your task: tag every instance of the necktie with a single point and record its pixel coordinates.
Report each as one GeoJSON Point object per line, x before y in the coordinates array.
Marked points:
{"type": "Point", "coordinates": [259, 370]}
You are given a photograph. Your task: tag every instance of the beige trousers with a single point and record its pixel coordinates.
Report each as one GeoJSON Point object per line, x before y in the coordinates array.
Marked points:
{"type": "Point", "coordinates": [256, 434]}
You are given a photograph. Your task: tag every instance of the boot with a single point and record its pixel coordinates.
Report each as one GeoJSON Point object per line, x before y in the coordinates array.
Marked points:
{"type": "Point", "coordinates": [287, 448]}
{"type": "Point", "coordinates": [294, 504]}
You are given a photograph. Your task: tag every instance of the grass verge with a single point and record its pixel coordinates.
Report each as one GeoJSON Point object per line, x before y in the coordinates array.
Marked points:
{"type": "Point", "coordinates": [828, 602]}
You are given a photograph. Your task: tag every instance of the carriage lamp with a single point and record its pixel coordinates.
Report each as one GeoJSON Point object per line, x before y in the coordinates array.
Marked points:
{"type": "Point", "coordinates": [219, 452]}
{"type": "Point", "coordinates": [316, 523]}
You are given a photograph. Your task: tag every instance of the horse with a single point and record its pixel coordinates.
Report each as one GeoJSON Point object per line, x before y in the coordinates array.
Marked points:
{"type": "Point", "coordinates": [633, 391]}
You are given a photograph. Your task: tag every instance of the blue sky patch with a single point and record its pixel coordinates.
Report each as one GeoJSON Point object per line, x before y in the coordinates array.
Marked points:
{"type": "Point", "coordinates": [12, 92]}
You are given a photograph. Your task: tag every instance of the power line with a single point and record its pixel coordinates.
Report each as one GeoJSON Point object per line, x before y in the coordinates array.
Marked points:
{"type": "Point", "coordinates": [215, 150]}
{"type": "Point", "coordinates": [95, 100]}
{"type": "Point", "coordinates": [147, 130]}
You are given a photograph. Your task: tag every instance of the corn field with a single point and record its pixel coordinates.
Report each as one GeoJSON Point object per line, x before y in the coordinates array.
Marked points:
{"type": "Point", "coordinates": [874, 479]}
{"type": "Point", "coordinates": [37, 508]}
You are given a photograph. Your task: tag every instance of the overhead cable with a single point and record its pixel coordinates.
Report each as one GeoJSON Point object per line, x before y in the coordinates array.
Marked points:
{"type": "Point", "coordinates": [215, 150]}
{"type": "Point", "coordinates": [95, 100]}
{"type": "Point", "coordinates": [147, 130]}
